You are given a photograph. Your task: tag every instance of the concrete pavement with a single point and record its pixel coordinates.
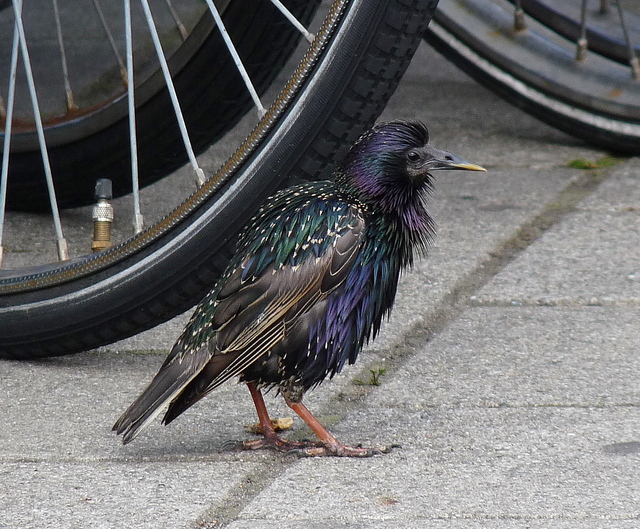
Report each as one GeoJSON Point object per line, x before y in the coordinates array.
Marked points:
{"type": "Point", "coordinates": [512, 376]}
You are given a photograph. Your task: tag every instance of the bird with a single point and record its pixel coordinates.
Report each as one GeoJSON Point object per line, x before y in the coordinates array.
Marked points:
{"type": "Point", "coordinates": [314, 275]}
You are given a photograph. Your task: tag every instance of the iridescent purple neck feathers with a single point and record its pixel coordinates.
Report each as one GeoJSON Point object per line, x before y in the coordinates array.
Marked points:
{"type": "Point", "coordinates": [377, 172]}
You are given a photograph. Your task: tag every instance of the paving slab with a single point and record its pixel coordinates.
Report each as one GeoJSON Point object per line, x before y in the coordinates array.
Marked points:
{"type": "Point", "coordinates": [448, 523]}
{"type": "Point", "coordinates": [112, 494]}
{"type": "Point", "coordinates": [528, 482]}
{"type": "Point", "coordinates": [620, 193]}
{"type": "Point", "coordinates": [468, 119]}
{"type": "Point", "coordinates": [525, 356]}
{"type": "Point", "coordinates": [73, 401]}
{"type": "Point", "coordinates": [588, 258]}
{"type": "Point", "coordinates": [474, 213]}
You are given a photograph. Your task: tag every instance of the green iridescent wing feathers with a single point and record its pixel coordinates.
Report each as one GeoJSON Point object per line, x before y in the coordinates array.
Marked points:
{"type": "Point", "coordinates": [296, 225]}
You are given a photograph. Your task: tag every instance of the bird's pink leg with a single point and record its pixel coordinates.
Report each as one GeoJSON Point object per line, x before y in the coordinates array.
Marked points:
{"type": "Point", "coordinates": [261, 409]}
{"type": "Point", "coordinates": [330, 445]}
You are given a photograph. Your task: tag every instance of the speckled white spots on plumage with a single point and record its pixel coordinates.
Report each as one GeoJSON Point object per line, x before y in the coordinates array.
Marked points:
{"type": "Point", "coordinates": [292, 219]}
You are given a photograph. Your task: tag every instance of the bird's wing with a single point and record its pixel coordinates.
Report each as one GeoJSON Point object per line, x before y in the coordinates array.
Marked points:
{"type": "Point", "coordinates": [279, 297]}
{"type": "Point", "coordinates": [292, 291]}
{"type": "Point", "coordinates": [248, 313]}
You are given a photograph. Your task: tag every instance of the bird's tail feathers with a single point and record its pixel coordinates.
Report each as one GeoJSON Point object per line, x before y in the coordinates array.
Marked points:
{"type": "Point", "coordinates": [164, 387]}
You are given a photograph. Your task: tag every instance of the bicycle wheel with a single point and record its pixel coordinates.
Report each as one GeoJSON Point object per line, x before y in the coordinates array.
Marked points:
{"type": "Point", "coordinates": [340, 87]}
{"type": "Point", "coordinates": [88, 138]}
{"type": "Point", "coordinates": [572, 68]}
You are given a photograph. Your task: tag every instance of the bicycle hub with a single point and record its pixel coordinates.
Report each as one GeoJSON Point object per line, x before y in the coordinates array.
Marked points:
{"type": "Point", "coordinates": [102, 215]}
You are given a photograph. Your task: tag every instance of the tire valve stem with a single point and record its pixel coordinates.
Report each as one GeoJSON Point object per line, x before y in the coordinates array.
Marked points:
{"type": "Point", "coordinates": [581, 49]}
{"type": "Point", "coordinates": [102, 215]}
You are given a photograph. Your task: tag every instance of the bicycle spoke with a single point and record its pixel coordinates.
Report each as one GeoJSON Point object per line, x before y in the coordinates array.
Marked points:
{"type": "Point", "coordinates": [294, 21]}
{"type": "Point", "coordinates": [4, 172]}
{"type": "Point", "coordinates": [63, 249]}
{"type": "Point", "coordinates": [236, 59]}
{"type": "Point", "coordinates": [112, 42]}
{"type": "Point", "coordinates": [138, 221]}
{"type": "Point", "coordinates": [176, 18]}
{"type": "Point", "coordinates": [172, 92]}
{"type": "Point", "coordinates": [63, 56]}
{"type": "Point", "coordinates": [633, 58]}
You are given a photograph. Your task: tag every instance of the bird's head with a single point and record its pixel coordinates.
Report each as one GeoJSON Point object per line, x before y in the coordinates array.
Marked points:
{"type": "Point", "coordinates": [391, 164]}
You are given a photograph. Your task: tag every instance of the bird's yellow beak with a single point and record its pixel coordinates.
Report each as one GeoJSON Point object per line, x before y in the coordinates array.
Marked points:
{"type": "Point", "coordinates": [466, 166]}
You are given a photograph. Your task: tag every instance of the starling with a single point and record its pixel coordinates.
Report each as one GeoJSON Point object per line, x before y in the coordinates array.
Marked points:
{"type": "Point", "coordinates": [315, 272]}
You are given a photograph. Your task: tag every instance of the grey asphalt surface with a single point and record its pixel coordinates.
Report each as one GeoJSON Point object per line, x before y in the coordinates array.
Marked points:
{"type": "Point", "coordinates": [512, 376]}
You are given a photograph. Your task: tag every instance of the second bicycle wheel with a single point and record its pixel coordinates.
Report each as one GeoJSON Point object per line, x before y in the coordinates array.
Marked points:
{"type": "Point", "coordinates": [534, 62]}
{"type": "Point", "coordinates": [341, 86]}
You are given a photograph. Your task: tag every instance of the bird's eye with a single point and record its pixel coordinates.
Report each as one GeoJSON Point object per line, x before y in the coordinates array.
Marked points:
{"type": "Point", "coordinates": [413, 156]}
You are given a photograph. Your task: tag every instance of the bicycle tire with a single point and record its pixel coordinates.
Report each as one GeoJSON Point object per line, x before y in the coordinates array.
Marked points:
{"type": "Point", "coordinates": [212, 96]}
{"type": "Point", "coordinates": [347, 89]}
{"type": "Point", "coordinates": [478, 37]}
